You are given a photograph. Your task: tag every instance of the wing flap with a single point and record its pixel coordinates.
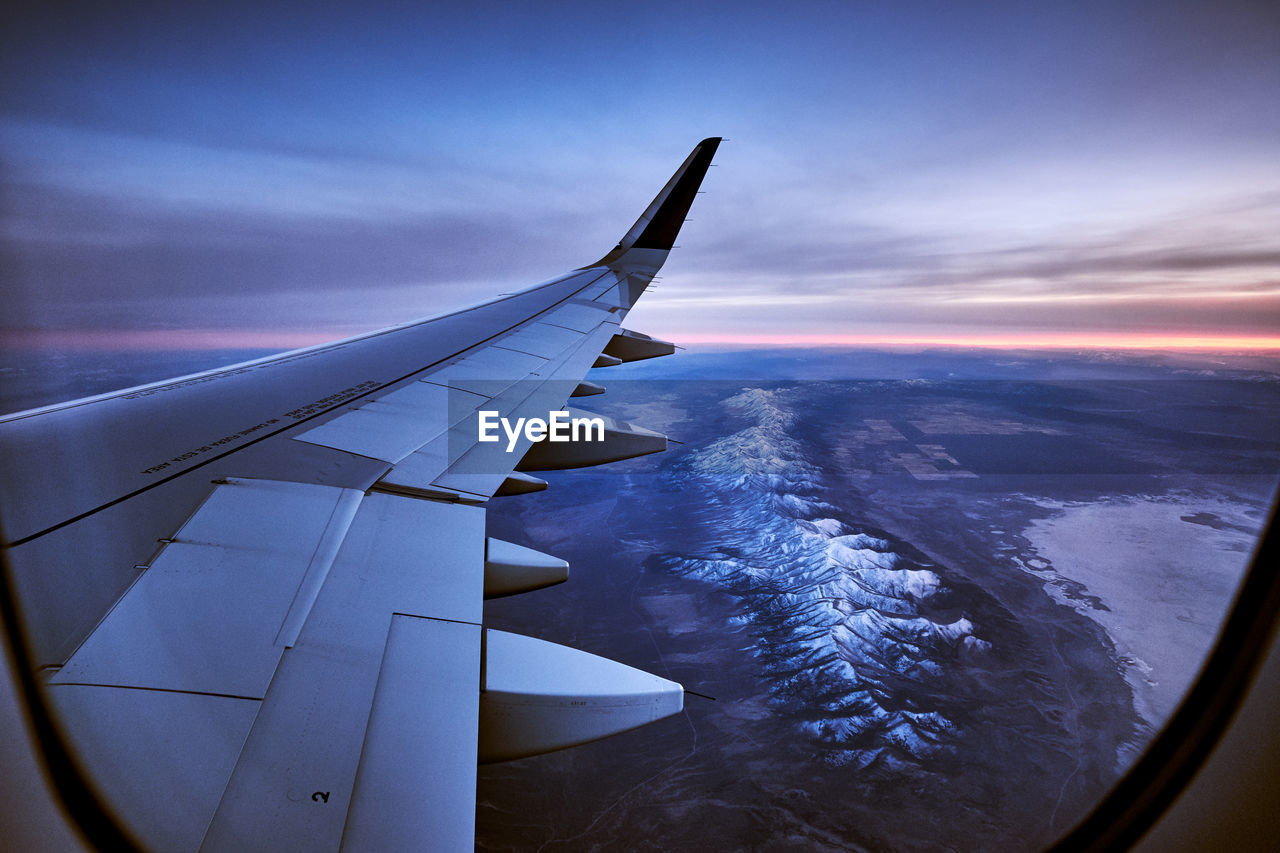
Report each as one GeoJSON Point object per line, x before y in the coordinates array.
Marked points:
{"type": "Point", "coordinates": [223, 588]}
{"type": "Point", "coordinates": [284, 593]}
{"type": "Point", "coordinates": [166, 759]}
{"type": "Point", "coordinates": [415, 786]}
{"type": "Point", "coordinates": [303, 743]}
{"type": "Point", "coordinates": [402, 556]}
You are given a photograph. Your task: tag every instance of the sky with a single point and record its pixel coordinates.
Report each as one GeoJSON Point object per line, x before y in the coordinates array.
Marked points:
{"type": "Point", "coordinates": [282, 174]}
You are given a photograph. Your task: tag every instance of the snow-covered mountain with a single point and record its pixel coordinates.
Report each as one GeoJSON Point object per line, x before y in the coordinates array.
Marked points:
{"type": "Point", "coordinates": [841, 620]}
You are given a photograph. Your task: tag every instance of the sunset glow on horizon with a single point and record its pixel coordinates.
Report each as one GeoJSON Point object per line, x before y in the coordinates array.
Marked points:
{"type": "Point", "coordinates": [160, 340]}
{"type": "Point", "coordinates": [1102, 176]}
{"type": "Point", "coordinates": [1066, 340]}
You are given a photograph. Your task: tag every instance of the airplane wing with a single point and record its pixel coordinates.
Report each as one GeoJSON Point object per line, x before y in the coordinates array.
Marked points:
{"type": "Point", "coordinates": [250, 600]}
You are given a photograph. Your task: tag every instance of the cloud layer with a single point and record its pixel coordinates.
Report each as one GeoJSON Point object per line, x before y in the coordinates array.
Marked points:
{"type": "Point", "coordinates": [1022, 167]}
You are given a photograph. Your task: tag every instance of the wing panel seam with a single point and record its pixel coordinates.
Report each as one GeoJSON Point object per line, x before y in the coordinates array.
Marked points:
{"type": "Point", "coordinates": [155, 690]}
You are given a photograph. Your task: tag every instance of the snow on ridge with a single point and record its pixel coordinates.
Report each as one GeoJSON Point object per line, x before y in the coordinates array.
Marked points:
{"type": "Point", "coordinates": [825, 526]}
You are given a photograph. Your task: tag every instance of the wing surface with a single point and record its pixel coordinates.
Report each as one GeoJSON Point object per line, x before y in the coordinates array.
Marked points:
{"type": "Point", "coordinates": [250, 599]}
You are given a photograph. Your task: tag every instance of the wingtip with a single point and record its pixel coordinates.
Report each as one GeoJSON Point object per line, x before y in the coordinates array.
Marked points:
{"type": "Point", "coordinates": [660, 223]}
{"type": "Point", "coordinates": [661, 230]}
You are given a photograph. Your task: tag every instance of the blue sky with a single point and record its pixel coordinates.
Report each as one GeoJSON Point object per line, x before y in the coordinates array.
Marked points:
{"type": "Point", "coordinates": [926, 170]}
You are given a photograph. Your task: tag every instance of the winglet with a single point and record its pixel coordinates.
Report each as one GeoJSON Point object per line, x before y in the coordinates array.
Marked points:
{"type": "Point", "coordinates": [658, 226]}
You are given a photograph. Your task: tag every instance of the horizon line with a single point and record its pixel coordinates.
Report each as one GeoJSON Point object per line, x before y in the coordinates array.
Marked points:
{"type": "Point", "coordinates": [1052, 340]}
{"type": "Point", "coordinates": [212, 339]}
